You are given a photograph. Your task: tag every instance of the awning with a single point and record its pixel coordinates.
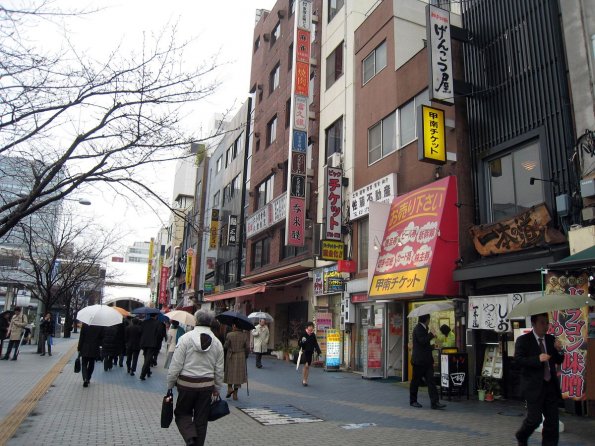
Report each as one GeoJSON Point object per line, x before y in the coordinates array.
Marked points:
{"type": "Point", "coordinates": [237, 292]}
{"type": "Point", "coordinates": [580, 260]}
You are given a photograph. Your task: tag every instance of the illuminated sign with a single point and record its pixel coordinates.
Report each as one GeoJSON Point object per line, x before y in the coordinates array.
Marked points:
{"type": "Point", "coordinates": [440, 53]}
{"type": "Point", "coordinates": [332, 250]}
{"type": "Point", "coordinates": [432, 146]}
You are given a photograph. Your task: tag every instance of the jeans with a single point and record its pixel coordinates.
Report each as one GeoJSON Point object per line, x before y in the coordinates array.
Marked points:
{"type": "Point", "coordinates": [46, 339]}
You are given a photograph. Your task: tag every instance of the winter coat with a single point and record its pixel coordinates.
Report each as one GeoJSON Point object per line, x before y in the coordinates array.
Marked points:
{"type": "Point", "coordinates": [90, 341]}
{"type": "Point", "coordinates": [309, 343]}
{"type": "Point", "coordinates": [46, 327]}
{"type": "Point", "coordinates": [260, 339]}
{"type": "Point", "coordinates": [236, 345]}
{"type": "Point", "coordinates": [132, 334]}
{"type": "Point", "coordinates": [172, 336]}
{"type": "Point", "coordinates": [17, 325]}
{"type": "Point", "coordinates": [110, 344]}
{"type": "Point", "coordinates": [421, 353]}
{"type": "Point", "coordinates": [4, 324]}
{"type": "Point", "coordinates": [198, 355]}
{"type": "Point", "coordinates": [121, 337]}
{"type": "Point", "coordinates": [152, 333]}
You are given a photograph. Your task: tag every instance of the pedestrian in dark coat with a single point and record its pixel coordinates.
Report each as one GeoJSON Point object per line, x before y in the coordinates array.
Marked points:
{"type": "Point", "coordinates": [538, 353]}
{"type": "Point", "coordinates": [121, 342]}
{"type": "Point", "coordinates": [308, 343]}
{"type": "Point", "coordinates": [4, 324]}
{"type": "Point", "coordinates": [46, 328]}
{"type": "Point", "coordinates": [110, 347]}
{"type": "Point", "coordinates": [423, 363]}
{"type": "Point", "coordinates": [89, 342]}
{"type": "Point", "coordinates": [237, 348]}
{"type": "Point", "coordinates": [152, 334]}
{"type": "Point", "coordinates": [132, 334]}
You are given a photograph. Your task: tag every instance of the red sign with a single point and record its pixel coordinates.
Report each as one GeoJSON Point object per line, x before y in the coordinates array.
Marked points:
{"type": "Point", "coordinates": [302, 53]}
{"type": "Point", "coordinates": [297, 222]}
{"type": "Point", "coordinates": [374, 348]}
{"type": "Point", "coordinates": [302, 78]}
{"type": "Point", "coordinates": [346, 266]}
{"type": "Point", "coordinates": [359, 297]}
{"type": "Point", "coordinates": [163, 285]}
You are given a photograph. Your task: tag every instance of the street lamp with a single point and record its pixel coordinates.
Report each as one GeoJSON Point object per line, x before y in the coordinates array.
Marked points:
{"type": "Point", "coordinates": [82, 201]}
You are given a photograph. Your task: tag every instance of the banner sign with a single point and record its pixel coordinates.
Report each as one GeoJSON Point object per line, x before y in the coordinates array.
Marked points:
{"type": "Point", "coordinates": [189, 260]}
{"type": "Point", "coordinates": [332, 250]}
{"type": "Point", "coordinates": [163, 286]}
{"type": "Point", "coordinates": [432, 146]}
{"type": "Point", "coordinates": [382, 190]}
{"type": "Point", "coordinates": [273, 212]}
{"type": "Point", "coordinates": [440, 53]}
{"type": "Point", "coordinates": [333, 203]}
{"type": "Point", "coordinates": [232, 230]}
{"type": "Point", "coordinates": [374, 358]}
{"type": "Point", "coordinates": [150, 262]}
{"type": "Point", "coordinates": [333, 349]}
{"type": "Point", "coordinates": [214, 228]}
{"type": "Point", "coordinates": [491, 312]}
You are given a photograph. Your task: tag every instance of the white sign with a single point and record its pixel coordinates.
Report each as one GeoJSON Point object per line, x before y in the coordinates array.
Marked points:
{"type": "Point", "coordinates": [381, 191]}
{"type": "Point", "coordinates": [272, 213]}
{"type": "Point", "coordinates": [491, 312]}
{"type": "Point", "coordinates": [438, 34]}
{"type": "Point", "coordinates": [300, 113]}
{"type": "Point", "coordinates": [304, 14]}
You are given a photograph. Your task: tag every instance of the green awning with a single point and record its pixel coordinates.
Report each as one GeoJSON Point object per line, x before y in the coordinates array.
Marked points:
{"type": "Point", "coordinates": [581, 260]}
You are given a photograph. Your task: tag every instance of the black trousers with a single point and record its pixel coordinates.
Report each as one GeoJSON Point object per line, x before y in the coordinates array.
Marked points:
{"type": "Point", "coordinates": [148, 360]}
{"type": "Point", "coordinates": [427, 371]}
{"type": "Point", "coordinates": [258, 359]}
{"type": "Point", "coordinates": [132, 359]}
{"type": "Point", "coordinates": [87, 367]}
{"type": "Point", "coordinates": [192, 413]}
{"type": "Point", "coordinates": [546, 405]}
{"type": "Point", "coordinates": [11, 345]}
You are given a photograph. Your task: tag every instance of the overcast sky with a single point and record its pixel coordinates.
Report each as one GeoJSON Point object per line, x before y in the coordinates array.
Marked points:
{"type": "Point", "coordinates": [222, 26]}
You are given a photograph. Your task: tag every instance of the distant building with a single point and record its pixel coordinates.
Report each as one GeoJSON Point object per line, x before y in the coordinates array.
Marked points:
{"type": "Point", "coordinates": [138, 253]}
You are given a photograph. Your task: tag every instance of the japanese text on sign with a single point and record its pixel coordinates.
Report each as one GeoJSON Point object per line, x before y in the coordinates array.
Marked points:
{"type": "Point", "coordinates": [403, 282]}
{"type": "Point", "coordinates": [333, 203]}
{"type": "Point", "coordinates": [438, 27]}
{"type": "Point", "coordinates": [382, 190]}
{"type": "Point", "coordinates": [432, 147]}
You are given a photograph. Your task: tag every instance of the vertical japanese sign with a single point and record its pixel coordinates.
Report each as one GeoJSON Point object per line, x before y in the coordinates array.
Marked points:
{"type": "Point", "coordinates": [189, 260]}
{"type": "Point", "coordinates": [163, 285]}
{"type": "Point", "coordinates": [333, 203]}
{"type": "Point", "coordinates": [431, 148]}
{"type": "Point", "coordinates": [440, 53]}
{"type": "Point", "coordinates": [150, 262]}
{"type": "Point", "coordinates": [333, 349]}
{"type": "Point", "coordinates": [214, 228]}
{"type": "Point", "coordinates": [232, 230]}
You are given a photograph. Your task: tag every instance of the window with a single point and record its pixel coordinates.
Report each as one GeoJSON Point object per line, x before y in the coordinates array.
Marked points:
{"type": "Point", "coordinates": [362, 244]}
{"type": "Point", "coordinates": [227, 194]}
{"type": "Point", "coordinates": [288, 113]}
{"type": "Point", "coordinates": [382, 138]}
{"type": "Point", "coordinates": [257, 44]}
{"type": "Point", "coordinates": [276, 33]}
{"type": "Point", "coordinates": [264, 192]}
{"type": "Point", "coordinates": [274, 78]}
{"type": "Point", "coordinates": [408, 118]}
{"type": "Point", "coordinates": [272, 131]}
{"type": "Point", "coordinates": [237, 145]}
{"type": "Point", "coordinates": [219, 163]}
{"type": "Point", "coordinates": [216, 199]}
{"type": "Point", "coordinates": [334, 65]}
{"type": "Point", "coordinates": [375, 62]}
{"type": "Point", "coordinates": [333, 137]}
{"type": "Point", "coordinates": [236, 185]}
{"type": "Point", "coordinates": [510, 191]}
{"type": "Point", "coordinates": [290, 57]}
{"type": "Point", "coordinates": [334, 6]}
{"type": "Point", "coordinates": [261, 252]}
{"type": "Point", "coordinates": [228, 156]}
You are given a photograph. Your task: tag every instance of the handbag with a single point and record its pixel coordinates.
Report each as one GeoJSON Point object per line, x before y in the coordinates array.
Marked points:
{"type": "Point", "coordinates": [218, 409]}
{"type": "Point", "coordinates": [167, 409]}
{"type": "Point", "coordinates": [77, 364]}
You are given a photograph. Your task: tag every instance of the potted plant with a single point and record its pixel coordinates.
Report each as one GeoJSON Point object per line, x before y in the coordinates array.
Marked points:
{"type": "Point", "coordinates": [278, 352]}
{"type": "Point", "coordinates": [485, 388]}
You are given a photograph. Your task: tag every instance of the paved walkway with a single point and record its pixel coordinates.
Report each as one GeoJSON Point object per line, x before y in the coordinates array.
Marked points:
{"type": "Point", "coordinates": [118, 409]}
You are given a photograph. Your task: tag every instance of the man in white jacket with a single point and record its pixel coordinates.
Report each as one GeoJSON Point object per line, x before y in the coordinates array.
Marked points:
{"type": "Point", "coordinates": [260, 341]}
{"type": "Point", "coordinates": [197, 371]}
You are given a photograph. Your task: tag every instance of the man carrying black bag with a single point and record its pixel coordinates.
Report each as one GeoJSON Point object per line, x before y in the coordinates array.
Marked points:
{"type": "Point", "coordinates": [197, 371]}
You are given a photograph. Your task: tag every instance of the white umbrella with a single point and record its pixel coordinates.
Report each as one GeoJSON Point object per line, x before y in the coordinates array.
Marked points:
{"type": "Point", "coordinates": [432, 307]}
{"type": "Point", "coordinates": [260, 315]}
{"type": "Point", "coordinates": [183, 317]}
{"type": "Point", "coordinates": [551, 302]}
{"type": "Point", "coordinates": [100, 315]}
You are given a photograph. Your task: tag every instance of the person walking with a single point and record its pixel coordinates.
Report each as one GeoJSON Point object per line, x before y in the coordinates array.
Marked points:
{"type": "Point", "coordinates": [197, 371]}
{"type": "Point", "coordinates": [308, 343]}
{"type": "Point", "coordinates": [423, 363]}
{"type": "Point", "coordinates": [15, 330]}
{"type": "Point", "coordinates": [173, 334]}
{"type": "Point", "coordinates": [110, 347]}
{"type": "Point", "coordinates": [132, 335]}
{"type": "Point", "coordinates": [121, 343]}
{"type": "Point", "coordinates": [538, 353]}
{"type": "Point", "coordinates": [150, 341]}
{"type": "Point", "coordinates": [4, 324]}
{"type": "Point", "coordinates": [88, 347]}
{"type": "Point", "coordinates": [46, 329]}
{"type": "Point", "coordinates": [237, 350]}
{"type": "Point", "coordinates": [260, 341]}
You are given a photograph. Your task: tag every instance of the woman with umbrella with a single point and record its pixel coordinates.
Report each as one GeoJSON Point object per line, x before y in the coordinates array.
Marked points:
{"type": "Point", "coordinates": [238, 349]}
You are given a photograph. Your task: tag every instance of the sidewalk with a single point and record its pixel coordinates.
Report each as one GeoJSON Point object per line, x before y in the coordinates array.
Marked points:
{"type": "Point", "coordinates": [335, 409]}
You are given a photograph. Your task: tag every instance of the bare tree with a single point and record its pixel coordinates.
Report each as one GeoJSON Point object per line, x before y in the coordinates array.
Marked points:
{"type": "Point", "coordinates": [67, 120]}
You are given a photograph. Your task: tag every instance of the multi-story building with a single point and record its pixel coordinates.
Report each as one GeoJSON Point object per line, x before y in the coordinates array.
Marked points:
{"type": "Point", "coordinates": [138, 253]}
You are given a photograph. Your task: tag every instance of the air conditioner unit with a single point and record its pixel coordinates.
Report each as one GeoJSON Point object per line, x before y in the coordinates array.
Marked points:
{"type": "Point", "coordinates": [334, 160]}
{"type": "Point", "coordinates": [266, 37]}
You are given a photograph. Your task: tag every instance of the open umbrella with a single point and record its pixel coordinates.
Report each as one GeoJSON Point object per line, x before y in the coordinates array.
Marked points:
{"type": "Point", "coordinates": [233, 317]}
{"type": "Point", "coordinates": [146, 310]}
{"type": "Point", "coordinates": [122, 311]}
{"type": "Point", "coordinates": [183, 317]}
{"type": "Point", "coordinates": [101, 315]}
{"type": "Point", "coordinates": [551, 302]}
{"type": "Point", "coordinates": [258, 315]}
{"type": "Point", "coordinates": [432, 307]}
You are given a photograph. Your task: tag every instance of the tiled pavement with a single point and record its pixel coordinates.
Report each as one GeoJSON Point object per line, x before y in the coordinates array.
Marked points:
{"type": "Point", "coordinates": [118, 409]}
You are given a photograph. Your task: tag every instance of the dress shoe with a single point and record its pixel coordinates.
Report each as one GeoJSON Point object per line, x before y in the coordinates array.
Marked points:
{"type": "Point", "coordinates": [131, 373]}
{"type": "Point", "coordinates": [305, 383]}
{"type": "Point", "coordinates": [438, 406]}
{"type": "Point", "coordinates": [43, 354]}
{"type": "Point", "coordinates": [519, 441]}
{"type": "Point", "coordinates": [142, 378]}
{"type": "Point", "coordinates": [416, 404]}
{"type": "Point", "coordinates": [49, 354]}
{"type": "Point", "coordinates": [86, 384]}
{"type": "Point", "coordinates": [5, 358]}
{"type": "Point", "coordinates": [13, 359]}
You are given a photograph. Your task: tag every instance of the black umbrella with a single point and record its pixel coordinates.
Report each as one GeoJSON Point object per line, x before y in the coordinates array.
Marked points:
{"type": "Point", "coordinates": [233, 317]}
{"type": "Point", "coordinates": [146, 310]}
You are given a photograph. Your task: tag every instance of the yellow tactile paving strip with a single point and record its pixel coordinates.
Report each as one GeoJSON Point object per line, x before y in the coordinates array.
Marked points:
{"type": "Point", "coordinates": [10, 424]}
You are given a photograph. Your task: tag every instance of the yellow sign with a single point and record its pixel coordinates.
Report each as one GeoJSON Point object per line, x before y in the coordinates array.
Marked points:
{"type": "Point", "coordinates": [432, 147]}
{"type": "Point", "coordinates": [189, 255]}
{"type": "Point", "coordinates": [150, 262]}
{"type": "Point", "coordinates": [332, 250]}
{"type": "Point", "coordinates": [214, 228]}
{"type": "Point", "coordinates": [401, 282]}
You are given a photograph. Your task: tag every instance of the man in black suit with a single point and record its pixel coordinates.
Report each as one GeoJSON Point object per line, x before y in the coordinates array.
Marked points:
{"type": "Point", "coordinates": [150, 341]}
{"type": "Point", "coordinates": [538, 353]}
{"type": "Point", "coordinates": [423, 363]}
